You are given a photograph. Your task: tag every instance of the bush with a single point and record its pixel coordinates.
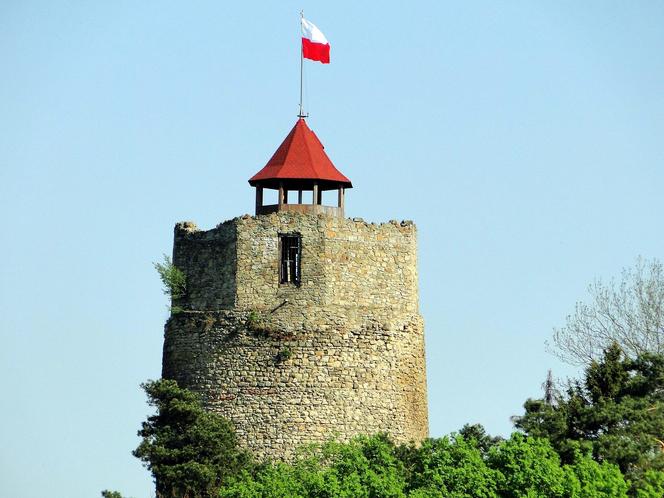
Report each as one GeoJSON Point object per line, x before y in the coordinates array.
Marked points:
{"type": "Point", "coordinates": [448, 467]}
{"type": "Point", "coordinates": [175, 282]}
{"type": "Point", "coordinates": [364, 467]}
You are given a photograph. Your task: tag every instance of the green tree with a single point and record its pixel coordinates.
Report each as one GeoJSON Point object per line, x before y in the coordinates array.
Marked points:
{"type": "Point", "coordinates": [449, 467]}
{"type": "Point", "coordinates": [477, 433]}
{"type": "Point", "coordinates": [111, 494]}
{"type": "Point", "coordinates": [528, 467]}
{"type": "Point", "coordinates": [364, 467]}
{"type": "Point", "coordinates": [594, 480]}
{"type": "Point", "coordinates": [651, 485]}
{"type": "Point", "coordinates": [616, 412]}
{"type": "Point", "coordinates": [189, 451]}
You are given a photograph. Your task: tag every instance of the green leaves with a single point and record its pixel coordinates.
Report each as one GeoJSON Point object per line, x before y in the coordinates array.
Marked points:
{"type": "Point", "coordinates": [174, 280]}
{"type": "Point", "coordinates": [111, 494]}
{"type": "Point", "coordinates": [616, 412]}
{"type": "Point", "coordinates": [527, 466]}
{"type": "Point", "coordinates": [364, 467]}
{"type": "Point", "coordinates": [651, 485]}
{"type": "Point", "coordinates": [189, 451]}
{"type": "Point", "coordinates": [448, 467]}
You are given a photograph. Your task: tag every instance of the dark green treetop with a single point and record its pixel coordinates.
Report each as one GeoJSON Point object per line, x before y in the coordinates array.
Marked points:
{"type": "Point", "coordinates": [190, 452]}
{"type": "Point", "coordinates": [616, 412]}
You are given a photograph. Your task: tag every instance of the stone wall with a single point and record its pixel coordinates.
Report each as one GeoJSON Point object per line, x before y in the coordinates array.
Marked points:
{"type": "Point", "coordinates": [344, 262]}
{"type": "Point", "coordinates": [208, 259]}
{"type": "Point", "coordinates": [340, 355]}
{"type": "Point", "coordinates": [326, 377]}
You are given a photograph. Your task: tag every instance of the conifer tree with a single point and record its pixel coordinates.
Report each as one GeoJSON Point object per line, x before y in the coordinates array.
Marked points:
{"type": "Point", "coordinates": [616, 412]}
{"type": "Point", "coordinates": [189, 451]}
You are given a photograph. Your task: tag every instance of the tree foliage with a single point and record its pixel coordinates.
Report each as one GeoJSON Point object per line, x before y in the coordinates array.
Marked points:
{"type": "Point", "coordinates": [651, 485]}
{"type": "Point", "coordinates": [364, 467]}
{"type": "Point", "coordinates": [174, 280]}
{"type": "Point", "coordinates": [629, 312]}
{"type": "Point", "coordinates": [193, 453]}
{"type": "Point", "coordinates": [616, 412]}
{"type": "Point", "coordinates": [530, 467]}
{"type": "Point", "coordinates": [447, 467]}
{"type": "Point", "coordinates": [111, 494]}
{"type": "Point", "coordinates": [189, 451]}
{"type": "Point", "coordinates": [477, 434]}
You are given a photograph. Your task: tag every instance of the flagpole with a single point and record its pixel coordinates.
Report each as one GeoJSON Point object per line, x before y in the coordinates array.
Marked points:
{"type": "Point", "coordinates": [301, 114]}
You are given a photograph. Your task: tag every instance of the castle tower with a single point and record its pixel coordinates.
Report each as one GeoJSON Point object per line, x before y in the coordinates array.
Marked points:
{"type": "Point", "coordinates": [300, 325]}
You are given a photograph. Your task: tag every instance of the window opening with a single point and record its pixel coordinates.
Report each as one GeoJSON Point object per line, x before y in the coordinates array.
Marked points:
{"type": "Point", "coordinates": [270, 196]}
{"type": "Point", "coordinates": [291, 254]}
{"type": "Point", "coordinates": [329, 197]}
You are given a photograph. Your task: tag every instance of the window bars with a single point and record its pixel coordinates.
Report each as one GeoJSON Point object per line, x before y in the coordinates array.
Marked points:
{"type": "Point", "coordinates": [291, 255]}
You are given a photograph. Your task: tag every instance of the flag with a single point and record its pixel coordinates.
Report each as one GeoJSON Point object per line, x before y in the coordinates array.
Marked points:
{"type": "Point", "coordinates": [314, 44]}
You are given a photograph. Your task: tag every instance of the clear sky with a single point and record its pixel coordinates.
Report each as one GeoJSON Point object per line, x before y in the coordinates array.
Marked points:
{"type": "Point", "coordinates": [526, 140]}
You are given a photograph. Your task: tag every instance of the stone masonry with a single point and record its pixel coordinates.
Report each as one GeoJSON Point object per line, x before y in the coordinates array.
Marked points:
{"type": "Point", "coordinates": [339, 355]}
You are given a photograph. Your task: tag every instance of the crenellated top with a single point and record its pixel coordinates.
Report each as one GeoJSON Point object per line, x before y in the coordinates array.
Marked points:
{"type": "Point", "coordinates": [341, 263]}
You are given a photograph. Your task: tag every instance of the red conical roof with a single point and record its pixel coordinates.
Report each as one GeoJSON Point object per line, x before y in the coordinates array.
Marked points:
{"type": "Point", "coordinates": [301, 156]}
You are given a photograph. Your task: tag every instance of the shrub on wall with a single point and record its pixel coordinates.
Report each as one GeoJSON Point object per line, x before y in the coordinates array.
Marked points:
{"type": "Point", "coordinates": [175, 282]}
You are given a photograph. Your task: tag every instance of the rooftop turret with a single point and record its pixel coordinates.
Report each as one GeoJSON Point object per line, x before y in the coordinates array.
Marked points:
{"type": "Point", "coordinates": [299, 165]}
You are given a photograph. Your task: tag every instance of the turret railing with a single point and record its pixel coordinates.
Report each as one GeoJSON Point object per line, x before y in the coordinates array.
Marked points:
{"type": "Point", "coordinates": [316, 206]}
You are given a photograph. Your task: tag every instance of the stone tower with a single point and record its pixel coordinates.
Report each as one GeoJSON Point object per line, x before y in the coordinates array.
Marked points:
{"type": "Point", "coordinates": [300, 325]}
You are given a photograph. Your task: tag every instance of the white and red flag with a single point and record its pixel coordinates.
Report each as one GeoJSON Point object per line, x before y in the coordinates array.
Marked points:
{"type": "Point", "coordinates": [314, 44]}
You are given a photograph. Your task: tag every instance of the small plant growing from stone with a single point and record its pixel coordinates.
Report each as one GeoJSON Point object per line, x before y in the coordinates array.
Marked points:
{"type": "Point", "coordinates": [260, 325]}
{"type": "Point", "coordinates": [284, 354]}
{"type": "Point", "coordinates": [253, 319]}
{"type": "Point", "coordinates": [256, 324]}
{"type": "Point", "coordinates": [174, 280]}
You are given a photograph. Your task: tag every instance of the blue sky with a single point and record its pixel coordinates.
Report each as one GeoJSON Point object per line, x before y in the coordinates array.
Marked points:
{"type": "Point", "coordinates": [524, 139]}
